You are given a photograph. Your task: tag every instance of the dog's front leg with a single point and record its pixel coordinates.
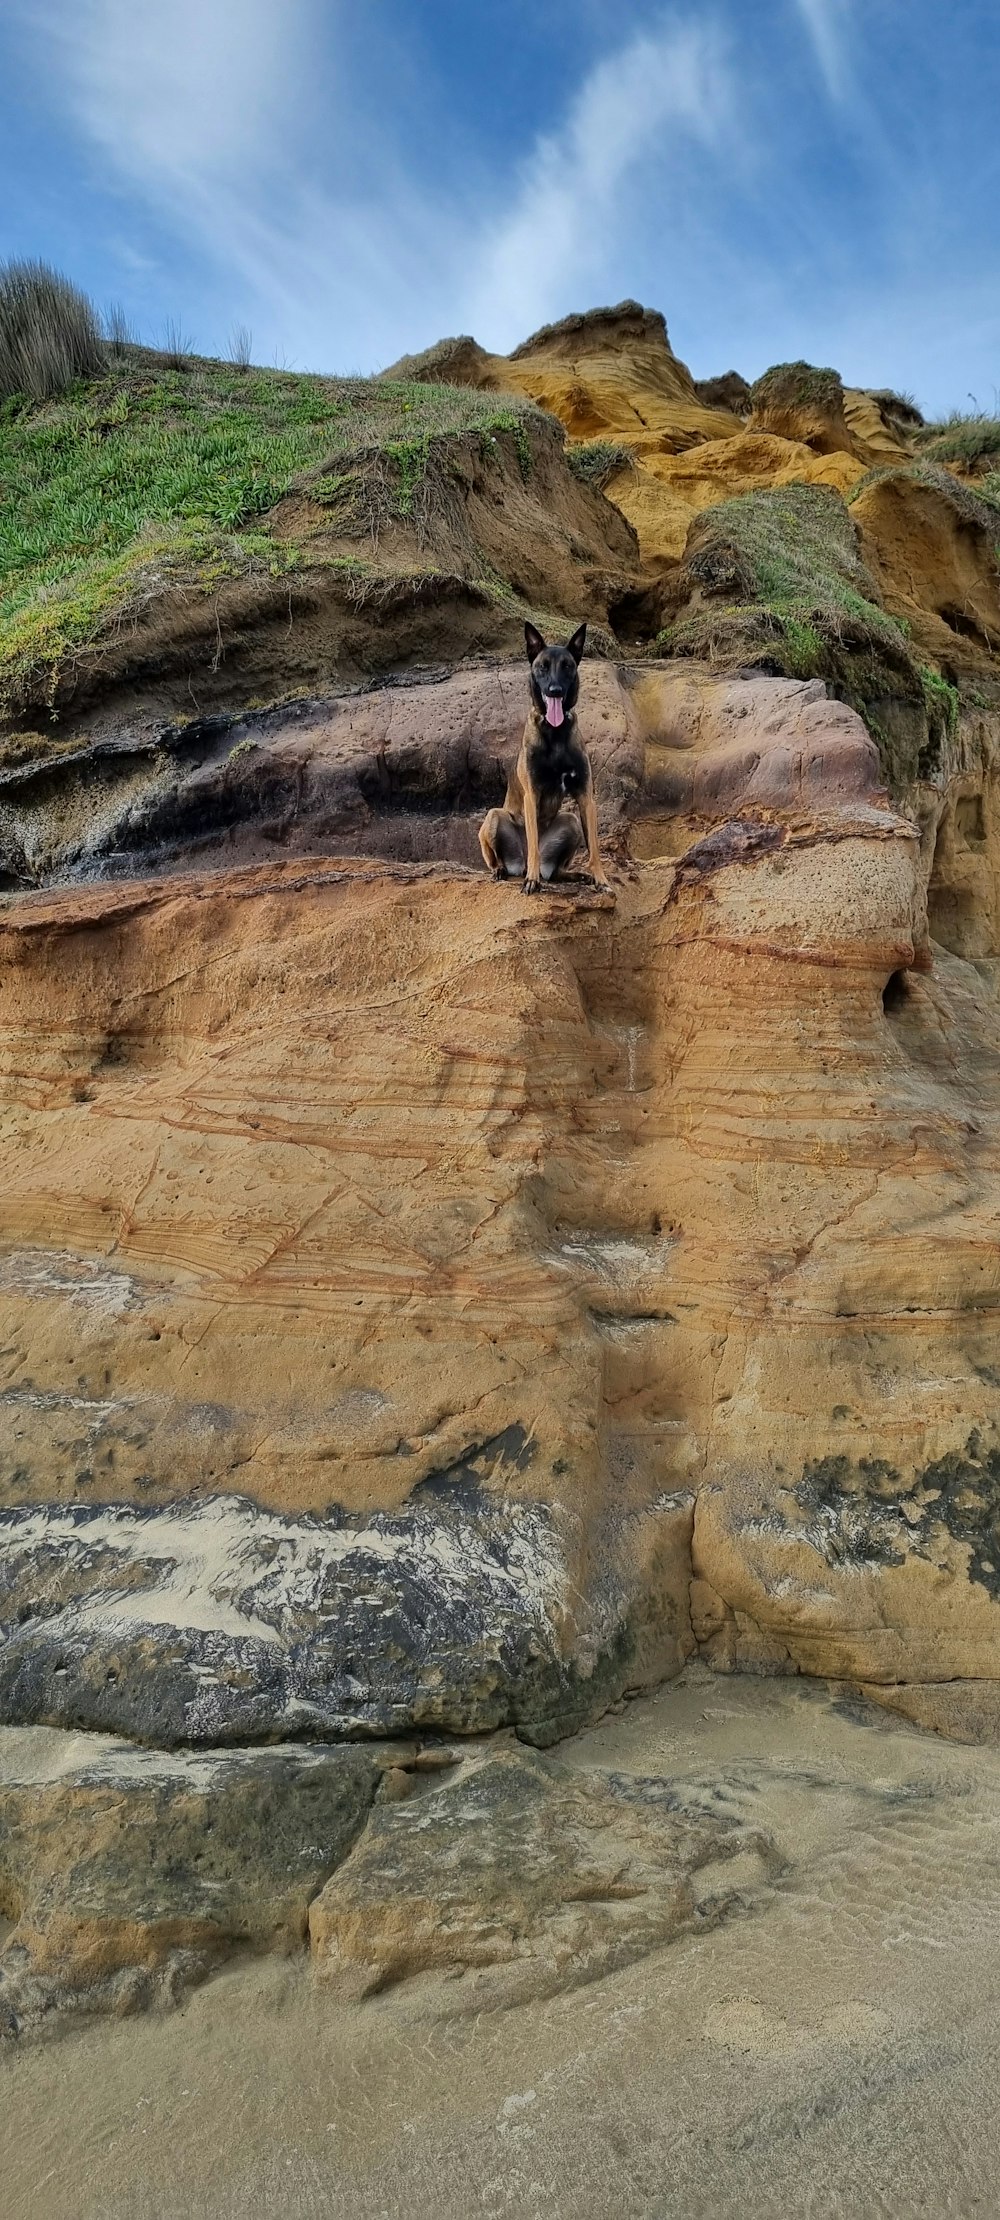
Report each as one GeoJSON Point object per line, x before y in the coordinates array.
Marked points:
{"type": "Point", "coordinates": [588, 819]}
{"type": "Point", "coordinates": [488, 831]}
{"type": "Point", "coordinates": [533, 871]}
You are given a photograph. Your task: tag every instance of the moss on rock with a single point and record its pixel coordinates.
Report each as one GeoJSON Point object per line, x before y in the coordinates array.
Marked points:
{"type": "Point", "coordinates": [776, 581]}
{"type": "Point", "coordinates": [597, 461]}
{"type": "Point", "coordinates": [153, 479]}
{"type": "Point", "coordinates": [797, 385]}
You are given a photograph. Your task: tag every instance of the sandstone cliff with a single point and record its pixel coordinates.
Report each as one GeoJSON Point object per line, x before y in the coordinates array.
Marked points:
{"type": "Point", "coordinates": [426, 1311]}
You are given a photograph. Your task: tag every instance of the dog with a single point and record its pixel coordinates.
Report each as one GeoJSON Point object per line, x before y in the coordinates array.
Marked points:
{"type": "Point", "coordinates": [531, 836]}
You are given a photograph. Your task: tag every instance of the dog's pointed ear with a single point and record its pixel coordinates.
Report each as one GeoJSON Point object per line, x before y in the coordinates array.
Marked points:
{"type": "Point", "coordinates": [533, 642]}
{"type": "Point", "coordinates": [576, 645]}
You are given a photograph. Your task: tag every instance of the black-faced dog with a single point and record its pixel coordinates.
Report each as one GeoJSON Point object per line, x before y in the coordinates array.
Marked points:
{"type": "Point", "coordinates": [532, 836]}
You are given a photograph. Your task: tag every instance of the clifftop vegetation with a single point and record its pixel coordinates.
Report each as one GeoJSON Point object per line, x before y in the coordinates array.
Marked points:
{"type": "Point", "coordinates": [151, 475]}
{"type": "Point", "coordinates": [831, 533]}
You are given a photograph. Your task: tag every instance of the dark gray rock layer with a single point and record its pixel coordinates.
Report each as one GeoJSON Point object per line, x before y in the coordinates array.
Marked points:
{"type": "Point", "coordinates": [217, 1622]}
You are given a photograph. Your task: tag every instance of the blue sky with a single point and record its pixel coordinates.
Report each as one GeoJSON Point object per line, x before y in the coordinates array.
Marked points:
{"type": "Point", "coordinates": [356, 178]}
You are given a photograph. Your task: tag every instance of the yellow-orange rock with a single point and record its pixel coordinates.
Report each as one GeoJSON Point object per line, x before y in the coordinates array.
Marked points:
{"type": "Point", "coordinates": [932, 549]}
{"type": "Point", "coordinates": [661, 494]}
{"type": "Point", "coordinates": [877, 432]}
{"type": "Point", "coordinates": [406, 1289]}
{"type": "Point", "coordinates": [961, 836]}
{"type": "Point", "coordinates": [611, 371]}
{"type": "Point", "coordinates": [796, 401]}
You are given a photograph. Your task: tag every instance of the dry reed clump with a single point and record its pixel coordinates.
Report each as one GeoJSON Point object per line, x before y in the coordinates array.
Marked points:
{"type": "Point", "coordinates": [49, 333]}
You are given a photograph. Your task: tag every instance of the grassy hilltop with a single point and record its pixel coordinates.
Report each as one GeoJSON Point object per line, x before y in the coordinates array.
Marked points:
{"type": "Point", "coordinates": [152, 504]}
{"type": "Point", "coordinates": [160, 473]}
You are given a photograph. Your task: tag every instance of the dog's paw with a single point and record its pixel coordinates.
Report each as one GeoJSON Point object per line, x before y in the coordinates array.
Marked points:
{"type": "Point", "coordinates": [499, 871]}
{"type": "Point", "coordinates": [532, 886]}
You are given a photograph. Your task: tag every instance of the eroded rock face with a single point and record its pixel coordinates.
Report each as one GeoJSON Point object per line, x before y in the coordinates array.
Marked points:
{"type": "Point", "coordinates": [215, 1622]}
{"type": "Point", "coordinates": [932, 546]}
{"type": "Point", "coordinates": [405, 771]}
{"type": "Point", "coordinates": [797, 401]}
{"type": "Point", "coordinates": [675, 448]}
{"type": "Point", "coordinates": [502, 530]}
{"type": "Point", "coordinates": [531, 1878]}
{"type": "Point", "coordinates": [125, 1876]}
{"type": "Point", "coordinates": [423, 1310]}
{"type": "Point", "coordinates": [464, 1875]}
{"type": "Point", "coordinates": [610, 370]}
{"type": "Point", "coordinates": [423, 1307]}
{"type": "Point", "coordinates": [662, 493]}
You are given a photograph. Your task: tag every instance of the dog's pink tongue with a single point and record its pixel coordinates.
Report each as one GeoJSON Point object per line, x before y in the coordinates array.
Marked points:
{"type": "Point", "coordinates": [553, 709]}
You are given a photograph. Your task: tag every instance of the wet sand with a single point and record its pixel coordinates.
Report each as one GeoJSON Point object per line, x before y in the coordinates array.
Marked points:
{"type": "Point", "coordinates": [834, 2050]}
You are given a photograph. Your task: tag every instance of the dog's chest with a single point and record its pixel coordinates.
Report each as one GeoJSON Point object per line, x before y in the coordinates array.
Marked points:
{"type": "Point", "coordinates": [558, 768]}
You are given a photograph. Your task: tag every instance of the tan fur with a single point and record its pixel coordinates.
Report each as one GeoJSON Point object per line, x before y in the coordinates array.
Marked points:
{"type": "Point", "coordinates": [536, 813]}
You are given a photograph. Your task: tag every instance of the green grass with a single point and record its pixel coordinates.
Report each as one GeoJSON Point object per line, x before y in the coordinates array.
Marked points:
{"type": "Point", "coordinates": [941, 700]}
{"type": "Point", "coordinates": [792, 551]}
{"type": "Point", "coordinates": [411, 456]}
{"type": "Point", "coordinates": [597, 461]}
{"type": "Point", "coordinates": [153, 475]}
{"type": "Point", "coordinates": [776, 580]}
{"type": "Point", "coordinates": [964, 439]}
{"type": "Point", "coordinates": [797, 385]}
{"type": "Point", "coordinates": [51, 617]}
{"type": "Point", "coordinates": [804, 647]}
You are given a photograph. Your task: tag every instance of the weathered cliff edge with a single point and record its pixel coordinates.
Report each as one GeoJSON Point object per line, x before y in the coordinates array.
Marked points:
{"type": "Point", "coordinates": [408, 1290]}
{"type": "Point", "coordinates": [426, 1312]}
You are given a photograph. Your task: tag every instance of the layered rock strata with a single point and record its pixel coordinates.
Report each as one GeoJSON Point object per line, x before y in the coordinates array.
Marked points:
{"type": "Point", "coordinates": [424, 1311]}
{"type": "Point", "coordinates": [407, 1290]}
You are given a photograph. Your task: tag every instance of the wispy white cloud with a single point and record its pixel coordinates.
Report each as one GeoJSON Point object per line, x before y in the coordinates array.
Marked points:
{"type": "Point", "coordinates": [206, 109]}
{"type": "Point", "coordinates": [177, 92]}
{"type": "Point", "coordinates": [828, 25]}
{"type": "Point", "coordinates": [209, 116]}
{"type": "Point", "coordinates": [310, 168]}
{"type": "Point", "coordinates": [249, 134]}
{"type": "Point", "coordinates": [654, 96]}
{"type": "Point", "coordinates": [131, 257]}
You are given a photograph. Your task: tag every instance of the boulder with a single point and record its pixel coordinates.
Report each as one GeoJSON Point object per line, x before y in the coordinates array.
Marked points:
{"type": "Point", "coordinates": [530, 1877]}
{"type": "Point", "coordinates": [125, 1875]}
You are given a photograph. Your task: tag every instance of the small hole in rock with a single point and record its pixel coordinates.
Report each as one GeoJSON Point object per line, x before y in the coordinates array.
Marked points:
{"type": "Point", "coordinates": [895, 992]}
{"type": "Point", "coordinates": [967, 627]}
